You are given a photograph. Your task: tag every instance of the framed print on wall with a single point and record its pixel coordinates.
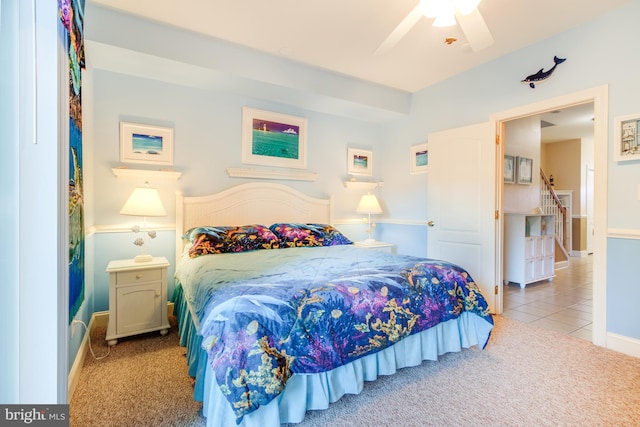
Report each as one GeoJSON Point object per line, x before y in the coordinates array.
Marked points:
{"type": "Point", "coordinates": [509, 169]}
{"type": "Point", "coordinates": [273, 139]}
{"type": "Point", "coordinates": [626, 138]}
{"type": "Point", "coordinates": [419, 158]}
{"type": "Point", "coordinates": [141, 143]}
{"type": "Point", "coordinates": [524, 170]}
{"type": "Point", "coordinates": [359, 162]}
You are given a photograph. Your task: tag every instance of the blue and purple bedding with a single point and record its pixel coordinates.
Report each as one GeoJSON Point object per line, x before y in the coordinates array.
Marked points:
{"type": "Point", "coordinates": [265, 315]}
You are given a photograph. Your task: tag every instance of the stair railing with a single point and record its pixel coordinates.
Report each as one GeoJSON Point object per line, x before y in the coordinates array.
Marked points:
{"type": "Point", "coordinates": [551, 205]}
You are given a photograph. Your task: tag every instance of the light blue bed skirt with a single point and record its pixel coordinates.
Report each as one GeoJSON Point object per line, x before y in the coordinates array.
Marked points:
{"type": "Point", "coordinates": [305, 392]}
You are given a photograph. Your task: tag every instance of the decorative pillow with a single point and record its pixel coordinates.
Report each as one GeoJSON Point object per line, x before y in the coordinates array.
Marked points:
{"type": "Point", "coordinates": [251, 237]}
{"type": "Point", "coordinates": [214, 232]}
{"type": "Point", "coordinates": [295, 235]}
{"type": "Point", "coordinates": [226, 239]}
{"type": "Point", "coordinates": [207, 240]}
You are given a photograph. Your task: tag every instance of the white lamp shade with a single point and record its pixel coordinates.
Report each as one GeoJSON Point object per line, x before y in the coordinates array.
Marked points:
{"type": "Point", "coordinates": [369, 205]}
{"type": "Point", "coordinates": [144, 201]}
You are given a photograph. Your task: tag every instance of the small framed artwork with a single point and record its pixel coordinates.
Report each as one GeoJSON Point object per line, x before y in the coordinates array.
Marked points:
{"type": "Point", "coordinates": [359, 162]}
{"type": "Point", "coordinates": [626, 134]}
{"type": "Point", "coordinates": [419, 158]}
{"type": "Point", "coordinates": [141, 143]}
{"type": "Point", "coordinates": [509, 169]}
{"type": "Point", "coordinates": [273, 139]}
{"type": "Point", "coordinates": [524, 171]}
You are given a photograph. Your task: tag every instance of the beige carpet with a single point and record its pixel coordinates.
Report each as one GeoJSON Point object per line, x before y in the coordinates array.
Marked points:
{"type": "Point", "coordinates": [526, 376]}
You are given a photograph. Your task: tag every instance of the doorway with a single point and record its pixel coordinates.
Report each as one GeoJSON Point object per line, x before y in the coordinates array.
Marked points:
{"type": "Point", "coordinates": [560, 143]}
{"type": "Point", "coordinates": [599, 97]}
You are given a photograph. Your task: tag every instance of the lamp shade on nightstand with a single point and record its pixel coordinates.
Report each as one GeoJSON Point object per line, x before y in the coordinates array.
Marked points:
{"type": "Point", "coordinates": [369, 205]}
{"type": "Point", "coordinates": [144, 202]}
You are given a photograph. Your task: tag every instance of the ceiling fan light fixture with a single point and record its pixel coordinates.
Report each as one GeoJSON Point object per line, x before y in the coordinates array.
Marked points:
{"type": "Point", "coordinates": [444, 20]}
{"type": "Point", "coordinates": [435, 8]}
{"type": "Point", "coordinates": [465, 7]}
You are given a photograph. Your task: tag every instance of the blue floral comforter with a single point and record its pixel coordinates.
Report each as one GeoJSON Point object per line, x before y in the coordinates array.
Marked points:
{"type": "Point", "coordinates": [265, 315]}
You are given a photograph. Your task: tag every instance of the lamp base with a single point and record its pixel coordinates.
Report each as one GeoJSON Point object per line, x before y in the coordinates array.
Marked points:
{"type": "Point", "coordinates": [369, 241]}
{"type": "Point", "coordinates": [143, 258]}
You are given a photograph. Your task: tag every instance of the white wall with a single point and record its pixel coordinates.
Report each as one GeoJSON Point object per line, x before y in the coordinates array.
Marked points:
{"type": "Point", "coordinates": [9, 214]}
{"type": "Point", "coordinates": [34, 312]}
{"type": "Point", "coordinates": [522, 139]}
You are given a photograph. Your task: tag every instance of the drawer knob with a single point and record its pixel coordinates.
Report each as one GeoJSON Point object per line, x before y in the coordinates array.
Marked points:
{"type": "Point", "coordinates": [139, 276]}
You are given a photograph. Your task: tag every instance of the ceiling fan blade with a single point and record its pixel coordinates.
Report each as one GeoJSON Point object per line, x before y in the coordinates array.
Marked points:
{"type": "Point", "coordinates": [400, 31]}
{"type": "Point", "coordinates": [475, 30]}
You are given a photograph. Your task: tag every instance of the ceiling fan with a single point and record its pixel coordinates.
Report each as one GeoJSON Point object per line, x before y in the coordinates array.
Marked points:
{"type": "Point", "coordinates": [446, 13]}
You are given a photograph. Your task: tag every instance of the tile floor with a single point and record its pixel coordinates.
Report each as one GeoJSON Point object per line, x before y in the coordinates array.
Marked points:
{"type": "Point", "coordinates": [563, 304]}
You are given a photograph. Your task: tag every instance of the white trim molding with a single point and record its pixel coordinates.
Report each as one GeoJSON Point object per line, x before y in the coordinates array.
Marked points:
{"type": "Point", "coordinates": [120, 228]}
{"type": "Point", "coordinates": [122, 172]}
{"type": "Point", "coordinates": [623, 344]}
{"type": "Point", "coordinates": [409, 222]}
{"type": "Point", "coordinates": [287, 174]}
{"type": "Point", "coordinates": [622, 233]}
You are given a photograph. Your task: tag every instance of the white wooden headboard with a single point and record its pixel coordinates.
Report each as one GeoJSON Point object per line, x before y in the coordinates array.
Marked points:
{"type": "Point", "coordinates": [252, 203]}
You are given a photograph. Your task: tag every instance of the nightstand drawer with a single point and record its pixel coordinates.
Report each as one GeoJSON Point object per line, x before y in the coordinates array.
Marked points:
{"type": "Point", "coordinates": [138, 276]}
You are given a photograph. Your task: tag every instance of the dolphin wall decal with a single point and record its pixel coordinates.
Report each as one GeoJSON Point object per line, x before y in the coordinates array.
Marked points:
{"type": "Point", "coordinates": [543, 75]}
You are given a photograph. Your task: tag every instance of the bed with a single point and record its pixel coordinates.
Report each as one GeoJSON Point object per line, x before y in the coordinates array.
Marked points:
{"type": "Point", "coordinates": [280, 314]}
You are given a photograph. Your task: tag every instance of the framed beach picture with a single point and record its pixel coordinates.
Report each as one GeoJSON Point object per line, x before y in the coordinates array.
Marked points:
{"type": "Point", "coordinates": [273, 139]}
{"type": "Point", "coordinates": [509, 169]}
{"type": "Point", "coordinates": [418, 158]}
{"type": "Point", "coordinates": [141, 143]}
{"type": "Point", "coordinates": [359, 162]}
{"type": "Point", "coordinates": [626, 136]}
{"type": "Point", "coordinates": [524, 171]}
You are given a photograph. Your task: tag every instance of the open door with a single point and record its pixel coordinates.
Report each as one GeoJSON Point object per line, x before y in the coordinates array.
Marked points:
{"type": "Point", "coordinates": [461, 203]}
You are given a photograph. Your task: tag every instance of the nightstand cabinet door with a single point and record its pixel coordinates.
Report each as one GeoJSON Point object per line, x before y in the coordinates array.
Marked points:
{"type": "Point", "coordinates": [137, 298]}
{"type": "Point", "coordinates": [138, 307]}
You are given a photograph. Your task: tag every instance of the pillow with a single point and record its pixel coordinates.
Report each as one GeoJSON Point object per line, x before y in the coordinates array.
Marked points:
{"type": "Point", "coordinates": [214, 232]}
{"type": "Point", "coordinates": [251, 237]}
{"type": "Point", "coordinates": [206, 240]}
{"type": "Point", "coordinates": [296, 234]}
{"type": "Point", "coordinates": [226, 239]}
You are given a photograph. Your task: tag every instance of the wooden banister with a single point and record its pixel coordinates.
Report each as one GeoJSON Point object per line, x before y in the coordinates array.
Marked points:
{"type": "Point", "coordinates": [547, 192]}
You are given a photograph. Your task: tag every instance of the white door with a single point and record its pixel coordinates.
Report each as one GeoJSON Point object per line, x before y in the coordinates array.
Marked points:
{"type": "Point", "coordinates": [461, 202]}
{"type": "Point", "coordinates": [589, 203]}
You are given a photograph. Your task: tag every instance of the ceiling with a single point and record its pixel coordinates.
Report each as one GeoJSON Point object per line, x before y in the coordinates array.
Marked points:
{"type": "Point", "coordinates": [568, 123]}
{"type": "Point", "coordinates": [342, 35]}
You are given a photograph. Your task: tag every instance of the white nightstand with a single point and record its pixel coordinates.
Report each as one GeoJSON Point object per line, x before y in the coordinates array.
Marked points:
{"type": "Point", "coordinates": [137, 298]}
{"type": "Point", "coordinates": [377, 246]}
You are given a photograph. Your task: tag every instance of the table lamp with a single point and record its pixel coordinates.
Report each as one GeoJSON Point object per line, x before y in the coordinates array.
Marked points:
{"type": "Point", "coordinates": [369, 205]}
{"type": "Point", "coordinates": [144, 201]}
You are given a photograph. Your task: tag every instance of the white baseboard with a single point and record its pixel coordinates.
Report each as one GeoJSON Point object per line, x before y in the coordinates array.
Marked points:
{"type": "Point", "coordinates": [579, 253]}
{"type": "Point", "coordinates": [74, 373]}
{"type": "Point", "coordinates": [99, 318]}
{"type": "Point", "coordinates": [622, 344]}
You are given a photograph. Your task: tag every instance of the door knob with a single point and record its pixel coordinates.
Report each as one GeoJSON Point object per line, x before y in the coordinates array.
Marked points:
{"type": "Point", "coordinates": [431, 223]}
